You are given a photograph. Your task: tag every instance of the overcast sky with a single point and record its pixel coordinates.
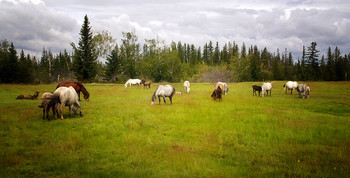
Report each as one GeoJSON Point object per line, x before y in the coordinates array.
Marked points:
{"type": "Point", "coordinates": [54, 24]}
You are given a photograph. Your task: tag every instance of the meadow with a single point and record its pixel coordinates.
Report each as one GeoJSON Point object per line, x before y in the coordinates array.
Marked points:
{"type": "Point", "coordinates": [122, 135]}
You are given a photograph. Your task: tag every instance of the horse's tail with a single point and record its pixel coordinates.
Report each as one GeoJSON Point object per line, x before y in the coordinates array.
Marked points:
{"type": "Point", "coordinates": [173, 92]}
{"type": "Point", "coordinates": [49, 101]}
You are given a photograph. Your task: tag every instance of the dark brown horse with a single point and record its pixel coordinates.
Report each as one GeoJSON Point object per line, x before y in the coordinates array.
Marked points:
{"type": "Point", "coordinates": [217, 93]}
{"type": "Point", "coordinates": [256, 88]}
{"type": "Point", "coordinates": [30, 97]}
{"type": "Point", "coordinates": [78, 88]}
{"type": "Point", "coordinates": [145, 84]}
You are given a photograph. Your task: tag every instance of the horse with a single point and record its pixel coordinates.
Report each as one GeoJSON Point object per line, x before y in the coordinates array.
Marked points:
{"type": "Point", "coordinates": [65, 96]}
{"type": "Point", "coordinates": [225, 88]}
{"type": "Point", "coordinates": [30, 97]}
{"type": "Point", "coordinates": [290, 86]}
{"type": "Point", "coordinates": [52, 105]}
{"type": "Point", "coordinates": [266, 87]}
{"type": "Point", "coordinates": [145, 84]}
{"type": "Point", "coordinates": [163, 91]}
{"type": "Point", "coordinates": [217, 93]}
{"type": "Point", "coordinates": [255, 89]}
{"type": "Point", "coordinates": [303, 90]}
{"type": "Point", "coordinates": [187, 86]}
{"type": "Point", "coordinates": [179, 92]}
{"type": "Point", "coordinates": [78, 88]}
{"type": "Point", "coordinates": [132, 82]}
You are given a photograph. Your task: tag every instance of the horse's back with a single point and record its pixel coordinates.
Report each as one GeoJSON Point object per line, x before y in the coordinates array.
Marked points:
{"type": "Point", "coordinates": [67, 95]}
{"type": "Point", "coordinates": [266, 86]}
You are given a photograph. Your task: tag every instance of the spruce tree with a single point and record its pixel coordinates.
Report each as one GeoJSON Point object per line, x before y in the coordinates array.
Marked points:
{"type": "Point", "coordinates": [85, 58]}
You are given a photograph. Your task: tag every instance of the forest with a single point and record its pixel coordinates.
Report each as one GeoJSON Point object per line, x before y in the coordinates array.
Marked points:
{"type": "Point", "coordinates": [159, 62]}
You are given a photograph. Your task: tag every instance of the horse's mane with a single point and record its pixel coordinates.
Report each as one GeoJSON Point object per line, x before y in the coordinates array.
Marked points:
{"type": "Point", "coordinates": [82, 87]}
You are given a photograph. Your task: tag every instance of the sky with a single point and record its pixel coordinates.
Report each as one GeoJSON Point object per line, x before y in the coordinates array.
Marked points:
{"type": "Point", "coordinates": [275, 24]}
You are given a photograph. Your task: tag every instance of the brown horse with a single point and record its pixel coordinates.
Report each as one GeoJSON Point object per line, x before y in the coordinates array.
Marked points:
{"type": "Point", "coordinates": [78, 88]}
{"type": "Point", "coordinates": [30, 97]}
{"type": "Point", "coordinates": [145, 84]}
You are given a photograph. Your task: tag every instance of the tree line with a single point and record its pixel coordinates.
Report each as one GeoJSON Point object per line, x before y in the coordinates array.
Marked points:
{"type": "Point", "coordinates": [176, 62]}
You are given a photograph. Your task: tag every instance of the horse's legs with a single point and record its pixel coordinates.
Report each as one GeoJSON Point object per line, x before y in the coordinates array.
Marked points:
{"type": "Point", "coordinates": [79, 96]}
{"type": "Point", "coordinates": [69, 111]}
{"type": "Point", "coordinates": [61, 109]}
{"type": "Point", "coordinates": [164, 100]}
{"type": "Point", "coordinates": [159, 99]}
{"type": "Point", "coordinates": [171, 100]}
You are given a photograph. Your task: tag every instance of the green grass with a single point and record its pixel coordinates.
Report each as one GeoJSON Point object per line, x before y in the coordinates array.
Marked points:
{"type": "Point", "coordinates": [121, 134]}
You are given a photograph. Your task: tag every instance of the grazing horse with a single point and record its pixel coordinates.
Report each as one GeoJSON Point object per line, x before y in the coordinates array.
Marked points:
{"type": "Point", "coordinates": [217, 93]}
{"type": "Point", "coordinates": [132, 82]}
{"type": "Point", "coordinates": [256, 88]}
{"type": "Point", "coordinates": [65, 96]}
{"type": "Point", "coordinates": [266, 87]}
{"type": "Point", "coordinates": [303, 90]}
{"type": "Point", "coordinates": [187, 86]}
{"type": "Point", "coordinates": [290, 86]}
{"type": "Point", "coordinates": [78, 88]}
{"type": "Point", "coordinates": [30, 97]}
{"type": "Point", "coordinates": [145, 84]}
{"type": "Point", "coordinates": [179, 92]}
{"type": "Point", "coordinates": [52, 105]}
{"type": "Point", "coordinates": [225, 88]}
{"type": "Point", "coordinates": [163, 91]}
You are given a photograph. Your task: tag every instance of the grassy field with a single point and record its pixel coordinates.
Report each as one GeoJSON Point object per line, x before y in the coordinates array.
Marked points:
{"type": "Point", "coordinates": [122, 135]}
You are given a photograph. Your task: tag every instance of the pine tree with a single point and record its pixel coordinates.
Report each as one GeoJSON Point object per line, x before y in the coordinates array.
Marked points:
{"type": "Point", "coordinates": [113, 65]}
{"type": "Point", "coordinates": [85, 58]}
{"type": "Point", "coordinates": [312, 55]}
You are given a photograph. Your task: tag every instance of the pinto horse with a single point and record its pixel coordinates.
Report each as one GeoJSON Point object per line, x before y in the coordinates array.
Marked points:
{"type": "Point", "coordinates": [78, 88]}
{"type": "Point", "coordinates": [30, 97]}
{"type": "Point", "coordinates": [217, 93]}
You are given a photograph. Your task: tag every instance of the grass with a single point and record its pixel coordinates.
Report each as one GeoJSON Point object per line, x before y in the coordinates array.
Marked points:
{"type": "Point", "coordinates": [122, 135]}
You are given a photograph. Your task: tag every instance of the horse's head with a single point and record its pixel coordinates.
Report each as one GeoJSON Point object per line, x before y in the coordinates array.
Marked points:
{"type": "Point", "coordinates": [36, 94]}
{"type": "Point", "coordinates": [86, 96]}
{"type": "Point", "coordinates": [153, 99]}
{"type": "Point", "coordinates": [75, 108]}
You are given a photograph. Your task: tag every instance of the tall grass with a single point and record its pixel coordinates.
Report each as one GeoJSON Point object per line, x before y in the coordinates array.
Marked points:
{"type": "Point", "coordinates": [122, 135]}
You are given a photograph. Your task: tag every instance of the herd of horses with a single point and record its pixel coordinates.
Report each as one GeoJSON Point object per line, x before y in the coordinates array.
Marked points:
{"type": "Point", "coordinates": [68, 94]}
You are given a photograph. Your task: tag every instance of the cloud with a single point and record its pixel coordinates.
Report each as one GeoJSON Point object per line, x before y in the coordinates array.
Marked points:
{"type": "Point", "coordinates": [273, 24]}
{"type": "Point", "coordinates": [32, 26]}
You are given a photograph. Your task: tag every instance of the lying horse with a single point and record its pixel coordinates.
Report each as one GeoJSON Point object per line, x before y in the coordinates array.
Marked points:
{"type": "Point", "coordinates": [163, 91]}
{"type": "Point", "coordinates": [303, 90]}
{"type": "Point", "coordinates": [46, 108]}
{"type": "Point", "coordinates": [255, 89]}
{"type": "Point", "coordinates": [78, 88]}
{"type": "Point", "coordinates": [266, 87]}
{"type": "Point", "coordinates": [30, 97]}
{"type": "Point", "coordinates": [65, 96]}
{"type": "Point", "coordinates": [217, 93]}
{"type": "Point", "coordinates": [132, 82]}
{"type": "Point", "coordinates": [187, 86]}
{"type": "Point", "coordinates": [290, 86]}
{"type": "Point", "coordinates": [145, 84]}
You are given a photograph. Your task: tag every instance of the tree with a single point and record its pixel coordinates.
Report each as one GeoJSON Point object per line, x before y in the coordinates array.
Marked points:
{"type": "Point", "coordinates": [85, 57]}
{"type": "Point", "coordinates": [113, 65]}
{"type": "Point", "coordinates": [130, 53]}
{"type": "Point", "coordinates": [312, 55]}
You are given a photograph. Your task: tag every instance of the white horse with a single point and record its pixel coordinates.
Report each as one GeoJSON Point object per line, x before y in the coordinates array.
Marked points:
{"type": "Point", "coordinates": [225, 88]}
{"type": "Point", "coordinates": [187, 86]}
{"type": "Point", "coordinates": [163, 91]}
{"type": "Point", "coordinates": [290, 86]}
{"type": "Point", "coordinates": [266, 87]}
{"type": "Point", "coordinates": [67, 97]}
{"type": "Point", "coordinates": [132, 82]}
